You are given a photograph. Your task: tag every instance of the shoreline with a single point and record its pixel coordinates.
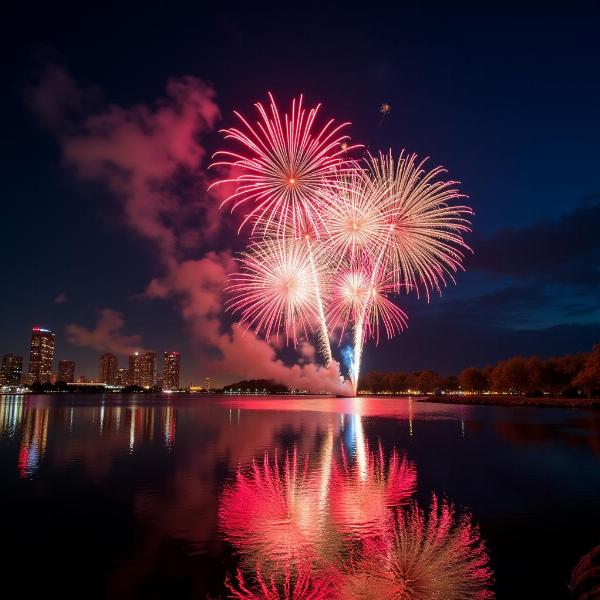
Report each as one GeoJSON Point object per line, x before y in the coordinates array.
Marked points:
{"type": "Point", "coordinates": [498, 400]}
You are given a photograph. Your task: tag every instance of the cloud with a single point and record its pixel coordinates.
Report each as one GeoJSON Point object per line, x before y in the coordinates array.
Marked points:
{"type": "Point", "coordinates": [148, 156]}
{"type": "Point", "coordinates": [107, 336]}
{"type": "Point", "coordinates": [563, 250]}
{"type": "Point", "coordinates": [60, 298]}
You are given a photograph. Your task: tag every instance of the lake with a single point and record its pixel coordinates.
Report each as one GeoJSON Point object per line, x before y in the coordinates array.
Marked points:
{"type": "Point", "coordinates": [183, 496]}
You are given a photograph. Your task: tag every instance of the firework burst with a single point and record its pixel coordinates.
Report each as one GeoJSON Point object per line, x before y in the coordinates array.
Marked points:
{"type": "Point", "coordinates": [275, 290]}
{"type": "Point", "coordinates": [425, 245]}
{"type": "Point", "coordinates": [283, 164]}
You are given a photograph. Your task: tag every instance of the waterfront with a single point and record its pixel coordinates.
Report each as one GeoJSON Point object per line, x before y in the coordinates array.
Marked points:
{"type": "Point", "coordinates": [124, 497]}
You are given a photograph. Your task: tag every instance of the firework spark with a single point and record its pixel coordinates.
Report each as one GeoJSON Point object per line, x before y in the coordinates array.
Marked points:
{"type": "Point", "coordinates": [426, 245]}
{"type": "Point", "coordinates": [356, 294]}
{"type": "Point", "coordinates": [288, 159]}
{"type": "Point", "coordinates": [275, 290]}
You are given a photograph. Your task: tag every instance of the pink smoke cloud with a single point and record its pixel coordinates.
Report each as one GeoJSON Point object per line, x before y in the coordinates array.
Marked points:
{"type": "Point", "coordinates": [106, 336]}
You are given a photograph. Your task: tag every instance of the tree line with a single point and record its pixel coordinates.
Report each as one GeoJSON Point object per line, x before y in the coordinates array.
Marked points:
{"type": "Point", "coordinates": [570, 375]}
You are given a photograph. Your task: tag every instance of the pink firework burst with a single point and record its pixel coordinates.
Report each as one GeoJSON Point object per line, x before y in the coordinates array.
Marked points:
{"type": "Point", "coordinates": [425, 245]}
{"type": "Point", "coordinates": [275, 290]}
{"type": "Point", "coordinates": [283, 164]}
{"type": "Point", "coordinates": [356, 222]}
{"type": "Point", "coordinates": [359, 294]}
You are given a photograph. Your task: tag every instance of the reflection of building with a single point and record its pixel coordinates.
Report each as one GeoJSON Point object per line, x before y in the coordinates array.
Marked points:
{"type": "Point", "coordinates": [11, 370]}
{"type": "Point", "coordinates": [41, 355]}
{"type": "Point", "coordinates": [107, 371]}
{"type": "Point", "coordinates": [171, 361]}
{"type": "Point", "coordinates": [33, 440]}
{"type": "Point", "coordinates": [66, 371]}
{"type": "Point", "coordinates": [148, 373]}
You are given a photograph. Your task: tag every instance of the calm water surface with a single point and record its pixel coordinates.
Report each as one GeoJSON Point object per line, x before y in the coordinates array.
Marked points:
{"type": "Point", "coordinates": [170, 496]}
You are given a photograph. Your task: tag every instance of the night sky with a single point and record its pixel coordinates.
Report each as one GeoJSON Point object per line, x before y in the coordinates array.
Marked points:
{"type": "Point", "coordinates": [110, 239]}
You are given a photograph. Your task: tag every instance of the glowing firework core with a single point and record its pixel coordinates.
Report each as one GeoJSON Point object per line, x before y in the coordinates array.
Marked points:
{"type": "Point", "coordinates": [334, 240]}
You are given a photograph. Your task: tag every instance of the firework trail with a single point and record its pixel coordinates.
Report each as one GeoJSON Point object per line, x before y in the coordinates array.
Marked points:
{"type": "Point", "coordinates": [335, 240]}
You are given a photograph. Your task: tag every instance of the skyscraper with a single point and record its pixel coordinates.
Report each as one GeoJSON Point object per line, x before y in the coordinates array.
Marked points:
{"type": "Point", "coordinates": [148, 376]}
{"type": "Point", "coordinates": [171, 361]}
{"type": "Point", "coordinates": [66, 371]}
{"type": "Point", "coordinates": [134, 375]}
{"type": "Point", "coordinates": [122, 377]}
{"type": "Point", "coordinates": [107, 371]}
{"type": "Point", "coordinates": [41, 355]}
{"type": "Point", "coordinates": [11, 370]}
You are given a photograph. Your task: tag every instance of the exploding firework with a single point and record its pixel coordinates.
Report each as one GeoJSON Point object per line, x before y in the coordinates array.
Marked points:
{"type": "Point", "coordinates": [275, 290]}
{"type": "Point", "coordinates": [356, 293]}
{"type": "Point", "coordinates": [438, 556]}
{"type": "Point", "coordinates": [284, 164]}
{"type": "Point", "coordinates": [425, 245]}
{"type": "Point", "coordinates": [356, 223]}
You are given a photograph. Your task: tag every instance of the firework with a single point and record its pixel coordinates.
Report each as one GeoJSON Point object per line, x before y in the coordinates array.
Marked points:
{"type": "Point", "coordinates": [425, 245]}
{"type": "Point", "coordinates": [357, 293]}
{"type": "Point", "coordinates": [335, 240]}
{"type": "Point", "coordinates": [356, 223]}
{"type": "Point", "coordinates": [275, 290]}
{"type": "Point", "coordinates": [283, 163]}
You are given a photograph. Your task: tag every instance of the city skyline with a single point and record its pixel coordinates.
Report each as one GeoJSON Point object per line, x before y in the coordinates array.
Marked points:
{"type": "Point", "coordinates": [141, 371]}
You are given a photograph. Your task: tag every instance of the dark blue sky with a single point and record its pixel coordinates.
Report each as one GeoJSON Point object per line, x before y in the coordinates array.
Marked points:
{"type": "Point", "coordinates": [504, 95]}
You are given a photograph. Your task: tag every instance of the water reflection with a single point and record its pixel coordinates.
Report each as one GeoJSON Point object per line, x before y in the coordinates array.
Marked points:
{"type": "Point", "coordinates": [340, 527]}
{"type": "Point", "coordinates": [309, 498]}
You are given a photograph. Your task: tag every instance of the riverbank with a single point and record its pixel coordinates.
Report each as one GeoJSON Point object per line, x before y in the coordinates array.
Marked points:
{"type": "Point", "coordinates": [499, 400]}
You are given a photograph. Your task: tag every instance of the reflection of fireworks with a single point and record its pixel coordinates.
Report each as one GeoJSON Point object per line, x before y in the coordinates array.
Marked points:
{"type": "Point", "coordinates": [288, 159]}
{"type": "Point", "coordinates": [272, 513]}
{"type": "Point", "coordinates": [275, 290]}
{"type": "Point", "coordinates": [297, 585]}
{"type": "Point", "coordinates": [440, 556]}
{"type": "Point", "coordinates": [362, 498]}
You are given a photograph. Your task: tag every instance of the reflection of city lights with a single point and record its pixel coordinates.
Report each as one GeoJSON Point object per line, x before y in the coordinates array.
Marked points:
{"type": "Point", "coordinates": [11, 414]}
{"type": "Point", "coordinates": [33, 441]}
{"type": "Point", "coordinates": [170, 427]}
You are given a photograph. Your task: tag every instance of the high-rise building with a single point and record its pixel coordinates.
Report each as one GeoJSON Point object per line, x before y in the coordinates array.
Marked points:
{"type": "Point", "coordinates": [171, 361]}
{"type": "Point", "coordinates": [148, 378]}
{"type": "Point", "coordinates": [11, 370]}
{"type": "Point", "coordinates": [66, 371]}
{"type": "Point", "coordinates": [134, 374]}
{"type": "Point", "coordinates": [122, 377]}
{"type": "Point", "coordinates": [41, 355]}
{"type": "Point", "coordinates": [107, 372]}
